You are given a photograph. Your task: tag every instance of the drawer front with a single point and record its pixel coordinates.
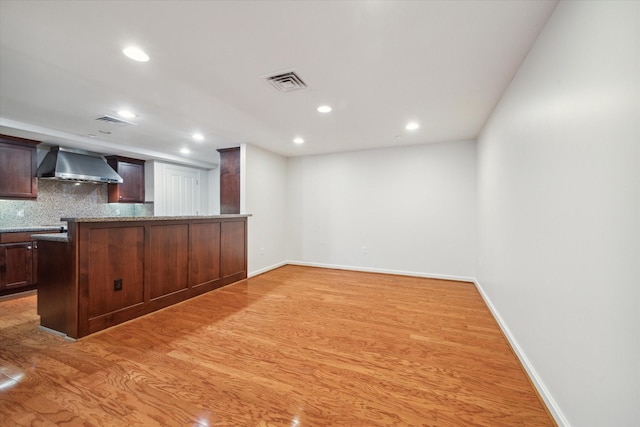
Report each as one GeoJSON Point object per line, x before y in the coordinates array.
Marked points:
{"type": "Point", "coordinates": [22, 236]}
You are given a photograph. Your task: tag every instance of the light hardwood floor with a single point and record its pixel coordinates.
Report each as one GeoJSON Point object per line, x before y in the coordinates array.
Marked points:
{"type": "Point", "coordinates": [296, 346]}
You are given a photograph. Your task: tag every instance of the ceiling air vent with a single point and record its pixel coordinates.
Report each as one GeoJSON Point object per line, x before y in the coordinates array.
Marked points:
{"type": "Point", "coordinates": [114, 121]}
{"type": "Point", "coordinates": [287, 82]}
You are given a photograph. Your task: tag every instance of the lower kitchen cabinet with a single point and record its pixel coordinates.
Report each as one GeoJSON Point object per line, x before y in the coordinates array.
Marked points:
{"type": "Point", "coordinates": [18, 261]}
{"type": "Point", "coordinates": [16, 265]}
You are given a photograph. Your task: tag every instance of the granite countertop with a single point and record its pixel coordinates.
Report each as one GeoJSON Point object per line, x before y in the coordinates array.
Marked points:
{"type": "Point", "coordinates": [34, 228]}
{"type": "Point", "coordinates": [53, 237]}
{"type": "Point", "coordinates": [151, 218]}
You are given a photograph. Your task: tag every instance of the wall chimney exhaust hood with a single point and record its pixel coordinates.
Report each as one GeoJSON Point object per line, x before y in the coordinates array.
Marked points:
{"type": "Point", "coordinates": [67, 165]}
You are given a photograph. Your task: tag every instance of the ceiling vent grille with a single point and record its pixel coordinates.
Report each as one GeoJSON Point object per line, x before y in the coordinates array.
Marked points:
{"type": "Point", "coordinates": [287, 82]}
{"type": "Point", "coordinates": [114, 121]}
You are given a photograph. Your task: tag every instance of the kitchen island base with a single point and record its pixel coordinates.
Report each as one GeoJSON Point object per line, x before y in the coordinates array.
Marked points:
{"type": "Point", "coordinates": [113, 270]}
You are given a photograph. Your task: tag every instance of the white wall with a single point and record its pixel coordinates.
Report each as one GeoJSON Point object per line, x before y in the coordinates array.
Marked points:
{"type": "Point", "coordinates": [559, 212]}
{"type": "Point", "coordinates": [214, 191]}
{"type": "Point", "coordinates": [264, 192]}
{"type": "Point", "coordinates": [413, 208]}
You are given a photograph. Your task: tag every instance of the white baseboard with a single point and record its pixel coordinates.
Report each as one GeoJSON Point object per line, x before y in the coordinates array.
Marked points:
{"type": "Point", "coordinates": [382, 270]}
{"type": "Point", "coordinates": [535, 378]}
{"type": "Point", "coordinates": [265, 269]}
{"type": "Point", "coordinates": [54, 332]}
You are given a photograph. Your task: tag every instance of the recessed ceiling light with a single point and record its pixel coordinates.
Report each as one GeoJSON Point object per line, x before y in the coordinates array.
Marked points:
{"type": "Point", "coordinates": [298, 140]}
{"type": "Point", "coordinates": [198, 137]}
{"type": "Point", "coordinates": [185, 150]}
{"type": "Point", "coordinates": [324, 109]}
{"type": "Point", "coordinates": [135, 53]}
{"type": "Point", "coordinates": [412, 126]}
{"type": "Point", "coordinates": [127, 114]}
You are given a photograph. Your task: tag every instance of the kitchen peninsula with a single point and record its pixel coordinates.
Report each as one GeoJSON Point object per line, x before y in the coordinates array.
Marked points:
{"type": "Point", "coordinates": [106, 271]}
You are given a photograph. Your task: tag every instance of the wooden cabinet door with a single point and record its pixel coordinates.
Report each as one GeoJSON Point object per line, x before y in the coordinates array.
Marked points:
{"type": "Point", "coordinates": [16, 265]}
{"type": "Point", "coordinates": [132, 173]}
{"type": "Point", "coordinates": [132, 190]}
{"type": "Point", "coordinates": [18, 168]}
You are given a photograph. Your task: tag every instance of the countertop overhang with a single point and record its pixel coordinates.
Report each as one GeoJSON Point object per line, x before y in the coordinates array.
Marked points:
{"type": "Point", "coordinates": [33, 229]}
{"type": "Point", "coordinates": [152, 218]}
{"type": "Point", "coordinates": [53, 237]}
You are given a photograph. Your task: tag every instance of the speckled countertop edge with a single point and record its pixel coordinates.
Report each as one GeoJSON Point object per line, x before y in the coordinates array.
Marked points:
{"type": "Point", "coordinates": [35, 228]}
{"type": "Point", "coordinates": [152, 218]}
{"type": "Point", "coordinates": [53, 237]}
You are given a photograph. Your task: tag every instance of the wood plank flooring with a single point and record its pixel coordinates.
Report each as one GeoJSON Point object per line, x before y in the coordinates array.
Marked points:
{"type": "Point", "coordinates": [296, 346]}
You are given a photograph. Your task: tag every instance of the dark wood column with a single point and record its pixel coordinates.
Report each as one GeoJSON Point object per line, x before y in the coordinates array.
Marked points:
{"type": "Point", "coordinates": [229, 180]}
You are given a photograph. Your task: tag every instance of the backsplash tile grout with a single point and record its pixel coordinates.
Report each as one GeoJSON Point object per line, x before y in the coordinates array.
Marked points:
{"type": "Point", "coordinates": [57, 199]}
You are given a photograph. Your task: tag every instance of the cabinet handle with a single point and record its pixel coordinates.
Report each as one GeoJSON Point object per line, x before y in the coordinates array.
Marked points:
{"type": "Point", "coordinates": [29, 247]}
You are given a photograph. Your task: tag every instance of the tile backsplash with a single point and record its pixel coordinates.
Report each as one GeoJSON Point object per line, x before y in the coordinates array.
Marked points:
{"type": "Point", "coordinates": [57, 199]}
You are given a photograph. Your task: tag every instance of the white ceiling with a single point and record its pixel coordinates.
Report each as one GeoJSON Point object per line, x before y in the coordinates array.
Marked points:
{"type": "Point", "coordinates": [379, 64]}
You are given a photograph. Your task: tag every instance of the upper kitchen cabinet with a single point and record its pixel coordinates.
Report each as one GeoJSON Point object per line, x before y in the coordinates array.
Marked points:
{"type": "Point", "coordinates": [18, 165]}
{"type": "Point", "coordinates": [132, 173]}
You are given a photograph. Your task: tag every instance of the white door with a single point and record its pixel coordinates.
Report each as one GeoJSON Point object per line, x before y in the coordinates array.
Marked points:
{"type": "Point", "coordinates": [179, 192]}
{"type": "Point", "coordinates": [182, 191]}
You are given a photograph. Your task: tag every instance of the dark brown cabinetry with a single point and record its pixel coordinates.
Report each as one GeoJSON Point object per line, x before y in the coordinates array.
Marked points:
{"type": "Point", "coordinates": [132, 173]}
{"type": "Point", "coordinates": [109, 272]}
{"type": "Point", "coordinates": [115, 254]}
{"type": "Point", "coordinates": [229, 180]}
{"type": "Point", "coordinates": [18, 165]}
{"type": "Point", "coordinates": [168, 260]}
{"type": "Point", "coordinates": [16, 265]}
{"type": "Point", "coordinates": [205, 256]}
{"type": "Point", "coordinates": [234, 258]}
{"type": "Point", "coordinates": [18, 261]}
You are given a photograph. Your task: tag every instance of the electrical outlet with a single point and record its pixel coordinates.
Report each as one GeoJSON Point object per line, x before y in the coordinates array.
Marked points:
{"type": "Point", "coordinates": [261, 251]}
{"type": "Point", "coordinates": [117, 285]}
{"type": "Point", "coordinates": [364, 250]}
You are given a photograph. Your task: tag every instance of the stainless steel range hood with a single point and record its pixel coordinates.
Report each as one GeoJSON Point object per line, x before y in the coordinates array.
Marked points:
{"type": "Point", "coordinates": [72, 166]}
